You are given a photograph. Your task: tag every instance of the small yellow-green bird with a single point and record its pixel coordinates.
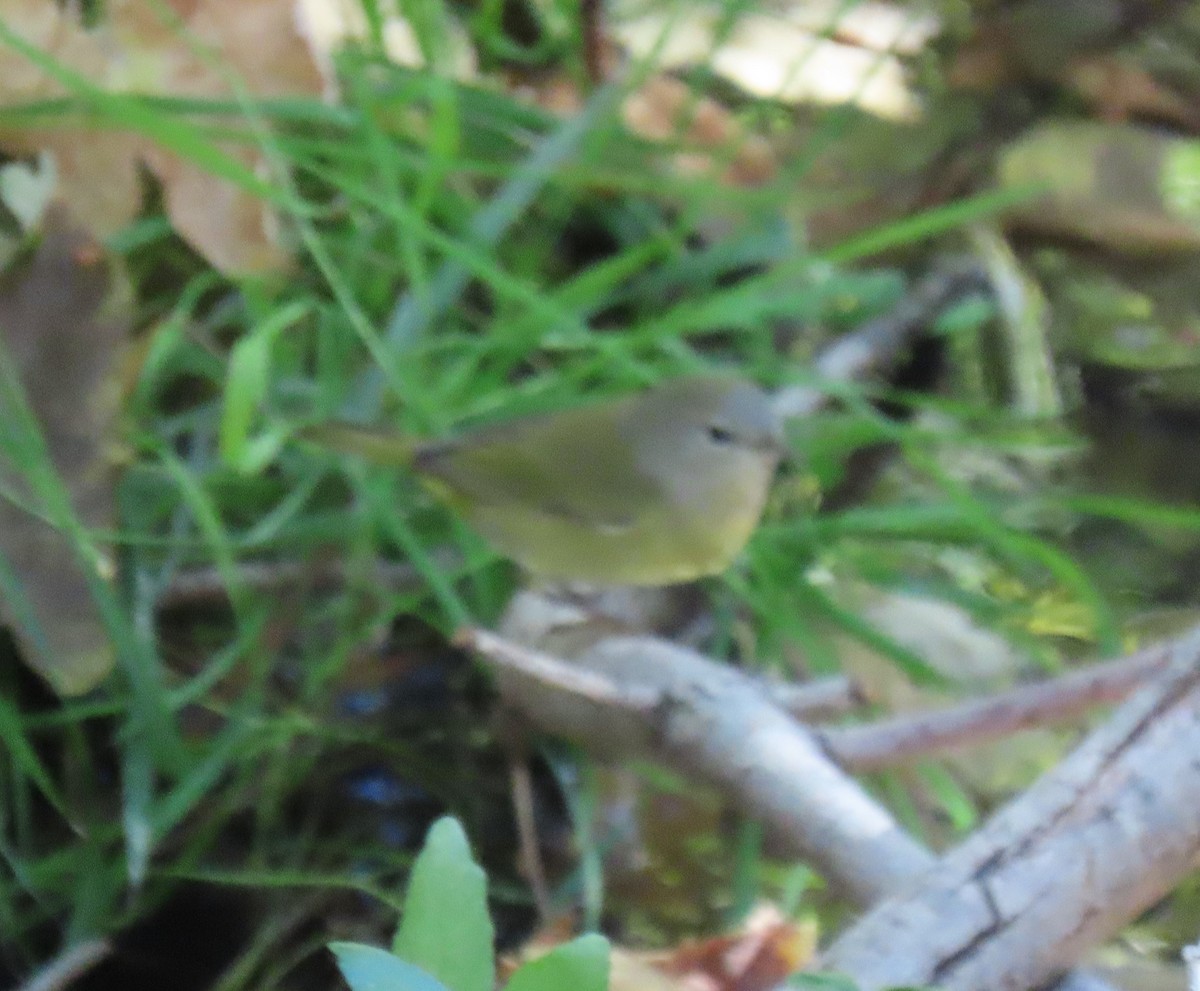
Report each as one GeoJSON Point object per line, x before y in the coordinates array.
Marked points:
{"type": "Point", "coordinates": [654, 488]}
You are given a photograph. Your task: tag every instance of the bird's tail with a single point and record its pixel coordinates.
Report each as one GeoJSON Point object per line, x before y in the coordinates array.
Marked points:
{"type": "Point", "coordinates": [370, 443]}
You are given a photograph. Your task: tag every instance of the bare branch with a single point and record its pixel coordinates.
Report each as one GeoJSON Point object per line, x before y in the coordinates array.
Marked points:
{"type": "Point", "coordinates": [655, 699]}
{"type": "Point", "coordinates": [1088, 847]}
{"type": "Point", "coordinates": [869, 746]}
{"type": "Point", "coordinates": [823, 698]}
{"type": "Point", "coordinates": [548, 671]}
{"type": "Point", "coordinates": [207, 585]}
{"type": "Point", "coordinates": [892, 741]}
{"type": "Point", "coordinates": [877, 345]}
{"type": "Point", "coordinates": [1061, 868]}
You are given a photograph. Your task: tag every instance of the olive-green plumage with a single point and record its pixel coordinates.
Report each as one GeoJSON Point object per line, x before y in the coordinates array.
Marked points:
{"type": "Point", "coordinates": [655, 488]}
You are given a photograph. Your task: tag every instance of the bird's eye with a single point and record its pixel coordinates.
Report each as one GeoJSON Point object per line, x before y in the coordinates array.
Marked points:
{"type": "Point", "coordinates": [719, 435]}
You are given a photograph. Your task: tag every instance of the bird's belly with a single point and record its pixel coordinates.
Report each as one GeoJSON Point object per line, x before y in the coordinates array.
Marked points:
{"type": "Point", "coordinates": [649, 551]}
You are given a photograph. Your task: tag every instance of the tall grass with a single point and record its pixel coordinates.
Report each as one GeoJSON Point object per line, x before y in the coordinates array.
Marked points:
{"type": "Point", "coordinates": [462, 255]}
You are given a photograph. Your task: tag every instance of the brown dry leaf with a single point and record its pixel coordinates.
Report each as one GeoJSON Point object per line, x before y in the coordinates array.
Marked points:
{"type": "Point", "coordinates": [255, 41]}
{"type": "Point", "coordinates": [766, 950]}
{"type": "Point", "coordinates": [211, 44]}
{"type": "Point", "coordinates": [1121, 90]}
{"type": "Point", "coordinates": [99, 181]}
{"type": "Point", "coordinates": [632, 972]}
{"type": "Point", "coordinates": [666, 109]}
{"type": "Point", "coordinates": [258, 44]}
{"type": "Point", "coordinates": [57, 33]}
{"type": "Point", "coordinates": [762, 954]}
{"type": "Point", "coordinates": [98, 170]}
{"type": "Point", "coordinates": [329, 24]}
{"type": "Point", "coordinates": [63, 336]}
{"type": "Point", "coordinates": [233, 229]}
{"type": "Point", "coordinates": [759, 956]}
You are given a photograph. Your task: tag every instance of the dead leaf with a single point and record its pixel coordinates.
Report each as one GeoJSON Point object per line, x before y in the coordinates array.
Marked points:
{"type": "Point", "coordinates": [64, 341]}
{"type": "Point", "coordinates": [218, 49]}
{"type": "Point", "coordinates": [98, 177]}
{"type": "Point", "coordinates": [1120, 90]}
{"type": "Point", "coordinates": [633, 972]}
{"type": "Point", "coordinates": [756, 957]}
{"type": "Point", "coordinates": [97, 170]}
{"type": "Point", "coordinates": [233, 229]}
{"type": "Point", "coordinates": [759, 956]}
{"type": "Point", "coordinates": [666, 109]}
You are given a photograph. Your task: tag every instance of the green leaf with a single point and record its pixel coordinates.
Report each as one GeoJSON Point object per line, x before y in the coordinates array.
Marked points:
{"type": "Point", "coordinates": [581, 965]}
{"type": "Point", "coordinates": [955, 802]}
{"type": "Point", "coordinates": [368, 968]}
{"type": "Point", "coordinates": [822, 982]}
{"type": "Point", "coordinates": [446, 928]}
{"type": "Point", "coordinates": [247, 384]}
{"type": "Point", "coordinates": [25, 759]}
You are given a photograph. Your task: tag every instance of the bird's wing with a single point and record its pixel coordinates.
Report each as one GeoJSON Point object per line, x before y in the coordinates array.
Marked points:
{"type": "Point", "coordinates": [574, 464]}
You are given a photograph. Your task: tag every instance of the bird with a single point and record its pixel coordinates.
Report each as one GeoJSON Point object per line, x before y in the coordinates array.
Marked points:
{"type": "Point", "coordinates": [659, 487]}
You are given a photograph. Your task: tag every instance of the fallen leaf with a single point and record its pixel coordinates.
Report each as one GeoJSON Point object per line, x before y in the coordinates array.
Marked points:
{"type": "Point", "coordinates": [219, 49]}
{"type": "Point", "coordinates": [666, 109]}
{"type": "Point", "coordinates": [756, 957]}
{"type": "Point", "coordinates": [1121, 90]}
{"type": "Point", "coordinates": [208, 49]}
{"type": "Point", "coordinates": [63, 338]}
{"type": "Point", "coordinates": [232, 228]}
{"type": "Point", "coordinates": [96, 169]}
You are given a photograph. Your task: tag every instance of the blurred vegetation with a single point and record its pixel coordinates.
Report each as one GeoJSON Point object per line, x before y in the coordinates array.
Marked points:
{"type": "Point", "coordinates": [264, 759]}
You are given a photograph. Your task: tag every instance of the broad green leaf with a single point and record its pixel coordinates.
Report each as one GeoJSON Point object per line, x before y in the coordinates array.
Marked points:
{"type": "Point", "coordinates": [581, 965]}
{"type": "Point", "coordinates": [446, 928]}
{"type": "Point", "coordinates": [368, 968]}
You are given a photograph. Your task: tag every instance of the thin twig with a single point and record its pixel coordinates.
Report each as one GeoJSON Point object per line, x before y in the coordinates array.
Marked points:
{"type": "Point", "coordinates": [1059, 869]}
{"type": "Point", "coordinates": [869, 746]}
{"type": "Point", "coordinates": [550, 671]}
{"type": "Point", "coordinates": [532, 866]}
{"type": "Point", "coordinates": [206, 584]}
{"type": "Point", "coordinates": [591, 27]}
{"type": "Point", "coordinates": [878, 344]}
{"type": "Point", "coordinates": [902, 738]}
{"type": "Point", "coordinates": [718, 725]}
{"type": "Point", "coordinates": [824, 698]}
